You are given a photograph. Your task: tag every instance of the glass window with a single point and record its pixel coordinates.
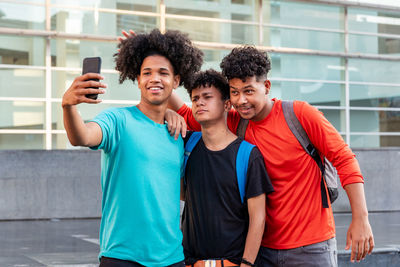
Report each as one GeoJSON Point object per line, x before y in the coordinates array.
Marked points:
{"type": "Point", "coordinates": [302, 14]}
{"type": "Point", "coordinates": [306, 67]}
{"type": "Point", "coordinates": [22, 83]}
{"type": "Point", "coordinates": [306, 39]}
{"type": "Point", "coordinates": [115, 91]}
{"type": "Point", "coordinates": [213, 58]}
{"type": "Point", "coordinates": [374, 96]}
{"type": "Point", "coordinates": [22, 16]}
{"type": "Point", "coordinates": [315, 93]}
{"type": "Point", "coordinates": [70, 53]}
{"type": "Point", "coordinates": [22, 141]}
{"type": "Point", "coordinates": [133, 5]}
{"type": "Point", "coordinates": [336, 117]}
{"type": "Point", "coordinates": [208, 31]}
{"type": "Point", "coordinates": [22, 50]}
{"type": "Point", "coordinates": [363, 70]}
{"type": "Point", "coordinates": [87, 111]}
{"type": "Point", "coordinates": [365, 141]}
{"type": "Point", "coordinates": [373, 45]}
{"type": "Point", "coordinates": [99, 23]}
{"type": "Point", "coordinates": [245, 10]}
{"type": "Point", "coordinates": [22, 115]}
{"type": "Point", "coordinates": [374, 121]}
{"type": "Point", "coordinates": [372, 21]}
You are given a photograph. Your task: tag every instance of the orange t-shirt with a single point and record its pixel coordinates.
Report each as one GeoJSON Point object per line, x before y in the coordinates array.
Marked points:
{"type": "Point", "coordinates": [295, 216]}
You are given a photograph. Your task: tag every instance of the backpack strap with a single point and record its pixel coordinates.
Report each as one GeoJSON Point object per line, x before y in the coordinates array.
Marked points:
{"type": "Point", "coordinates": [301, 136]}
{"type": "Point", "coordinates": [242, 162]}
{"type": "Point", "coordinates": [242, 126]}
{"type": "Point", "coordinates": [190, 144]}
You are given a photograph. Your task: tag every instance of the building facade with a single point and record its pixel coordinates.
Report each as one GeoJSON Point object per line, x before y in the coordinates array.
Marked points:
{"type": "Point", "coordinates": [341, 56]}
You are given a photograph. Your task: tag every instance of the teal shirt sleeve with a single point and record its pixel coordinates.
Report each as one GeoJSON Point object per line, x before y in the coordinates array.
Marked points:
{"type": "Point", "coordinates": [111, 122]}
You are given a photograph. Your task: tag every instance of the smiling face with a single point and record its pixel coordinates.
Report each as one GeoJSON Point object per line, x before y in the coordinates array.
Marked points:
{"type": "Point", "coordinates": [249, 97]}
{"type": "Point", "coordinates": [157, 80]}
{"type": "Point", "coordinates": [207, 104]}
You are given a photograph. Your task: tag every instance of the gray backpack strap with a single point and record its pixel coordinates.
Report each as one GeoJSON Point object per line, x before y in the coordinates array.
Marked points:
{"type": "Point", "coordinates": [241, 129]}
{"type": "Point", "coordinates": [301, 135]}
{"type": "Point", "coordinates": [296, 127]}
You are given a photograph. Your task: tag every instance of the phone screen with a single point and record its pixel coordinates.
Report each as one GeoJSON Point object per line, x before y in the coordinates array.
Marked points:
{"type": "Point", "coordinates": [93, 65]}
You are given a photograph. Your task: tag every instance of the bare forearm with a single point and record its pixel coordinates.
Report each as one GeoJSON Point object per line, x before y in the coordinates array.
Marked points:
{"type": "Point", "coordinates": [256, 208]}
{"type": "Point", "coordinates": [253, 239]}
{"type": "Point", "coordinates": [355, 193]}
{"type": "Point", "coordinates": [175, 102]}
{"type": "Point", "coordinates": [77, 132]}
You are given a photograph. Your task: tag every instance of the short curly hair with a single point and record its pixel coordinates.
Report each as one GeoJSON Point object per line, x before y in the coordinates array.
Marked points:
{"type": "Point", "coordinates": [174, 45]}
{"type": "Point", "coordinates": [210, 78]}
{"type": "Point", "coordinates": [245, 61]}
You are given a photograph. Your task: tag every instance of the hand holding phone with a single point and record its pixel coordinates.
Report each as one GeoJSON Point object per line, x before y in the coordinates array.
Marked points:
{"type": "Point", "coordinates": [92, 65]}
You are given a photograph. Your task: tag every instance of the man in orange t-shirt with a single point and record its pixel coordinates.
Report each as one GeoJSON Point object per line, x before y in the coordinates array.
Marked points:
{"type": "Point", "coordinates": [299, 230]}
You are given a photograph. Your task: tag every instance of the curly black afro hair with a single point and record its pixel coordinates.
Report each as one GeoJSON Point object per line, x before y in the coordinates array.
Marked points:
{"type": "Point", "coordinates": [174, 45]}
{"type": "Point", "coordinates": [210, 78]}
{"type": "Point", "coordinates": [245, 61]}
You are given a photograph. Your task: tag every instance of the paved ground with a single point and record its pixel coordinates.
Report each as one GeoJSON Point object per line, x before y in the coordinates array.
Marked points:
{"type": "Point", "coordinates": [75, 242]}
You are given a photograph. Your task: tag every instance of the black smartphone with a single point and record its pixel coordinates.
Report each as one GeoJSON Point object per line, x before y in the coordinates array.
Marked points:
{"type": "Point", "coordinates": [91, 64]}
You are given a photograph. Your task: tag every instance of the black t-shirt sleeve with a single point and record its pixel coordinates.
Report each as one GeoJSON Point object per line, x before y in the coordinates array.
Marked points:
{"type": "Point", "coordinates": [258, 181]}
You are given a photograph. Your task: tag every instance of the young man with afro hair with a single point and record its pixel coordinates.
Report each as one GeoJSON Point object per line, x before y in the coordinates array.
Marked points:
{"type": "Point", "coordinates": [141, 162]}
{"type": "Point", "coordinates": [299, 230]}
{"type": "Point", "coordinates": [219, 227]}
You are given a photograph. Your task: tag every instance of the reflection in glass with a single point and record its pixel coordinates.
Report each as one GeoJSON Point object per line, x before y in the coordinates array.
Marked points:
{"type": "Point", "coordinates": [22, 115]}
{"type": "Point", "coordinates": [244, 10]}
{"type": "Point", "coordinates": [302, 14]}
{"type": "Point", "coordinates": [22, 83]}
{"type": "Point", "coordinates": [209, 31]}
{"type": "Point", "coordinates": [61, 81]}
{"type": "Point", "coordinates": [373, 45]}
{"type": "Point", "coordinates": [374, 96]}
{"type": "Point", "coordinates": [306, 39]}
{"type": "Point", "coordinates": [364, 70]}
{"type": "Point", "coordinates": [306, 67]}
{"type": "Point", "coordinates": [17, 50]}
{"type": "Point", "coordinates": [133, 5]}
{"type": "Point", "coordinates": [98, 23]}
{"type": "Point", "coordinates": [374, 121]}
{"type": "Point", "coordinates": [87, 111]}
{"type": "Point", "coordinates": [213, 58]}
{"type": "Point", "coordinates": [22, 141]}
{"type": "Point", "coordinates": [315, 93]}
{"type": "Point", "coordinates": [374, 141]}
{"type": "Point", "coordinates": [373, 21]}
{"type": "Point", "coordinates": [336, 118]}
{"type": "Point", "coordinates": [70, 53]}
{"type": "Point", "coordinates": [22, 16]}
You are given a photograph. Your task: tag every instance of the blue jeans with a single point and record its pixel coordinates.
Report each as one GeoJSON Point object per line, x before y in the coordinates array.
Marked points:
{"type": "Point", "coordinates": [111, 262]}
{"type": "Point", "coordinates": [319, 254]}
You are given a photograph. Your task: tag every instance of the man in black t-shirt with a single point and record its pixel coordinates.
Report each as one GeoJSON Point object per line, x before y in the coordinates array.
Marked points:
{"type": "Point", "coordinates": [216, 224]}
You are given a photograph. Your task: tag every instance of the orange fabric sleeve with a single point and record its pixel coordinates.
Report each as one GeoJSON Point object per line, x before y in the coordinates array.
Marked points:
{"type": "Point", "coordinates": [329, 142]}
{"type": "Point", "coordinates": [186, 112]}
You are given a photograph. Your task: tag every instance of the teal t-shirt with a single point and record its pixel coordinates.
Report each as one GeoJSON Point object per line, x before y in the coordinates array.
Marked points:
{"type": "Point", "coordinates": [140, 177]}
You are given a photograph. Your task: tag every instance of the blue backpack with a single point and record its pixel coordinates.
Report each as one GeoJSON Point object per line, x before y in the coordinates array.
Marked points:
{"type": "Point", "coordinates": [242, 160]}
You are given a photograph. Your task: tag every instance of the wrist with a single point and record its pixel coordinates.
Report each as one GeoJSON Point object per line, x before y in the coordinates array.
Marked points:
{"type": "Point", "coordinates": [248, 263]}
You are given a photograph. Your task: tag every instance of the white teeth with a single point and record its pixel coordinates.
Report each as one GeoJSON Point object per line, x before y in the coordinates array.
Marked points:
{"type": "Point", "coordinates": [155, 88]}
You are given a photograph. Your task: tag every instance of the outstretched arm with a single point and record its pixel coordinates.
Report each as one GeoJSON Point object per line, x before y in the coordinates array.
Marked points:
{"type": "Point", "coordinates": [256, 209]}
{"type": "Point", "coordinates": [359, 234]}
{"type": "Point", "coordinates": [79, 133]}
